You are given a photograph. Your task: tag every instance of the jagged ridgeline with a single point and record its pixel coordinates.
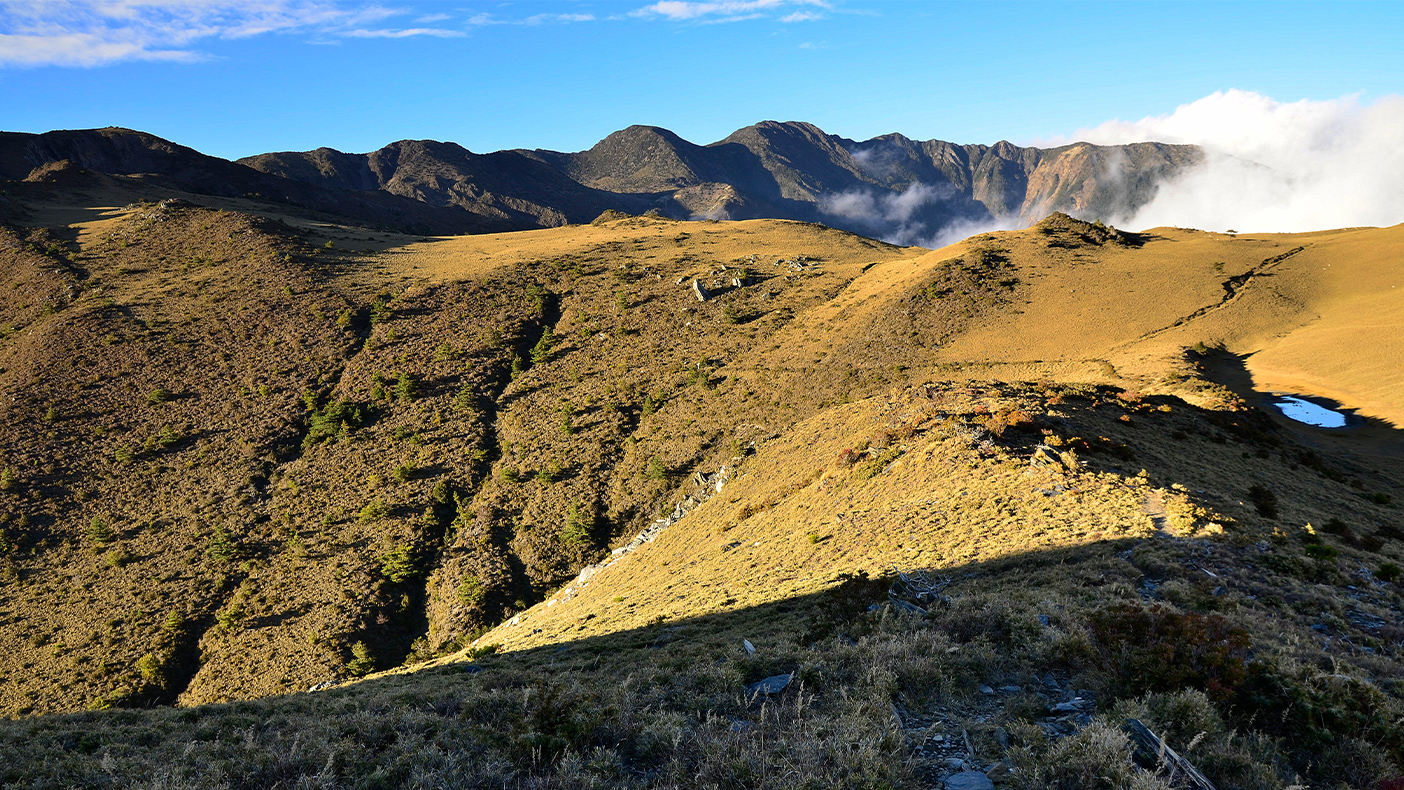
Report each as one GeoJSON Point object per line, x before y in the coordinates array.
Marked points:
{"type": "Point", "coordinates": [652, 503]}
{"type": "Point", "coordinates": [888, 187]}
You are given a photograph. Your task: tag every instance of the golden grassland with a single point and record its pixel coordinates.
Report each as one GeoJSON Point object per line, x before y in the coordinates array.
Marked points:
{"type": "Point", "coordinates": [250, 452]}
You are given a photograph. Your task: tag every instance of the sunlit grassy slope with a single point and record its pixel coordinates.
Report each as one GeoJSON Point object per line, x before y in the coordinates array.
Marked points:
{"type": "Point", "coordinates": [248, 455]}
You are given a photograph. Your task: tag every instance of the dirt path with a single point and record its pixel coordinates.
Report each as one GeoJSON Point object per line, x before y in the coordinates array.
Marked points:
{"type": "Point", "coordinates": [1153, 503]}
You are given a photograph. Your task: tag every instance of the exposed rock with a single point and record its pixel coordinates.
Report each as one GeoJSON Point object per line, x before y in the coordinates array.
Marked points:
{"type": "Point", "coordinates": [969, 780]}
{"type": "Point", "coordinates": [771, 685]}
{"type": "Point", "coordinates": [700, 292]}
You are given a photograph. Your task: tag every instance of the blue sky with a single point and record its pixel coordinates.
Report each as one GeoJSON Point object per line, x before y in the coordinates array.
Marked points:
{"type": "Point", "coordinates": [238, 78]}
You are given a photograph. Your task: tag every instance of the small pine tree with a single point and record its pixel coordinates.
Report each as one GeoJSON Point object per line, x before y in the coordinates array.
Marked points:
{"type": "Point", "coordinates": [578, 527]}
{"type": "Point", "coordinates": [345, 319]}
{"type": "Point", "coordinates": [232, 617]}
{"type": "Point", "coordinates": [441, 493]}
{"type": "Point", "coordinates": [549, 473]}
{"type": "Point", "coordinates": [656, 470]}
{"type": "Point", "coordinates": [222, 547]}
{"type": "Point", "coordinates": [150, 669]}
{"type": "Point", "coordinates": [400, 564]}
{"type": "Point", "coordinates": [567, 414]}
{"type": "Point", "coordinates": [362, 662]}
{"type": "Point", "coordinates": [541, 352]}
{"type": "Point", "coordinates": [158, 395]}
{"type": "Point", "coordinates": [517, 368]}
{"type": "Point", "coordinates": [9, 481]}
{"type": "Point", "coordinates": [406, 387]}
{"type": "Point", "coordinates": [470, 591]}
{"type": "Point", "coordinates": [466, 400]}
{"type": "Point", "coordinates": [173, 623]}
{"type": "Point", "coordinates": [99, 532]}
{"type": "Point", "coordinates": [375, 510]}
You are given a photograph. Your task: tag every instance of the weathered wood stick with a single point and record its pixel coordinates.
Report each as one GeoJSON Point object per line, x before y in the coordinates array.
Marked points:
{"type": "Point", "coordinates": [1156, 751]}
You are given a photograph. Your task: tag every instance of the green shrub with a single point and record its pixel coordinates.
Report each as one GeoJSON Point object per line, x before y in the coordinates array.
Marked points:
{"type": "Point", "coordinates": [541, 352]}
{"type": "Point", "coordinates": [99, 532]}
{"type": "Point", "coordinates": [650, 405]}
{"type": "Point", "coordinates": [567, 414]}
{"type": "Point", "coordinates": [579, 528]}
{"type": "Point", "coordinates": [124, 455]}
{"type": "Point", "coordinates": [51, 414]}
{"type": "Point", "coordinates": [466, 400]}
{"type": "Point", "coordinates": [549, 473]}
{"type": "Point", "coordinates": [381, 311]}
{"type": "Point", "coordinates": [1388, 572]}
{"type": "Point", "coordinates": [222, 546]}
{"type": "Point", "coordinates": [158, 395]}
{"type": "Point", "coordinates": [875, 466]}
{"type": "Point", "coordinates": [656, 470]}
{"type": "Point", "coordinates": [1264, 500]}
{"type": "Point", "coordinates": [150, 669]}
{"type": "Point", "coordinates": [334, 420]}
{"type": "Point", "coordinates": [538, 296]}
{"type": "Point", "coordinates": [406, 388]}
{"type": "Point", "coordinates": [517, 368]}
{"type": "Point", "coordinates": [173, 623]}
{"type": "Point", "coordinates": [1321, 551]}
{"type": "Point", "coordinates": [345, 319]}
{"type": "Point", "coordinates": [362, 662]}
{"type": "Point", "coordinates": [9, 481]}
{"type": "Point", "coordinates": [375, 510]}
{"type": "Point", "coordinates": [400, 564]}
{"type": "Point", "coordinates": [445, 353]}
{"type": "Point", "coordinates": [441, 493]}
{"type": "Point", "coordinates": [403, 473]}
{"type": "Point", "coordinates": [231, 618]}
{"type": "Point", "coordinates": [1158, 649]}
{"type": "Point", "coordinates": [471, 592]}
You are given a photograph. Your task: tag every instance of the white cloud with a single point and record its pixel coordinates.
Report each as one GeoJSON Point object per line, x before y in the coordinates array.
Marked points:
{"type": "Point", "coordinates": [726, 10]}
{"type": "Point", "coordinates": [1275, 166]}
{"type": "Point", "coordinates": [98, 32]}
{"type": "Point", "coordinates": [887, 215]}
{"type": "Point", "coordinates": [427, 18]}
{"type": "Point", "coordinates": [801, 16]}
{"type": "Point", "coordinates": [404, 33]}
{"type": "Point", "coordinates": [541, 19]}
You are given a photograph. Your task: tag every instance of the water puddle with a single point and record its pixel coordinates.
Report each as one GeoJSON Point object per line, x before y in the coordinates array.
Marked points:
{"type": "Point", "coordinates": [1309, 413]}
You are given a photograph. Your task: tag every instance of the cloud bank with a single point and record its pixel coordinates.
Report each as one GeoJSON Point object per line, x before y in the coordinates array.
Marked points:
{"type": "Point", "coordinates": [1274, 166]}
{"type": "Point", "coordinates": [100, 32]}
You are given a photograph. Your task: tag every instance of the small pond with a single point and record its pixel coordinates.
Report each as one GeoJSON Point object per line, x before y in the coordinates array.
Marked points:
{"type": "Point", "coordinates": [1310, 413]}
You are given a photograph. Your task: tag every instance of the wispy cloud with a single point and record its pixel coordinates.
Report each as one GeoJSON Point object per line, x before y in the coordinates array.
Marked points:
{"type": "Point", "coordinates": [99, 32]}
{"type": "Point", "coordinates": [427, 18]}
{"type": "Point", "coordinates": [727, 10]}
{"type": "Point", "coordinates": [404, 33]}
{"type": "Point", "coordinates": [544, 19]}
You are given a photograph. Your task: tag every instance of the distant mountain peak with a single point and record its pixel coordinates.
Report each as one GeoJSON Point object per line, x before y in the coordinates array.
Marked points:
{"type": "Point", "coordinates": [891, 187]}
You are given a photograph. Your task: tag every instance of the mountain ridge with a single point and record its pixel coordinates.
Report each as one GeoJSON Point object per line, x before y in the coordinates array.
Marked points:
{"type": "Point", "coordinates": [891, 187]}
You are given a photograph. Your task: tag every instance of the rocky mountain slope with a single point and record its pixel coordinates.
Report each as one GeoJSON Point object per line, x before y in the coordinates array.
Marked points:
{"type": "Point", "coordinates": [889, 187]}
